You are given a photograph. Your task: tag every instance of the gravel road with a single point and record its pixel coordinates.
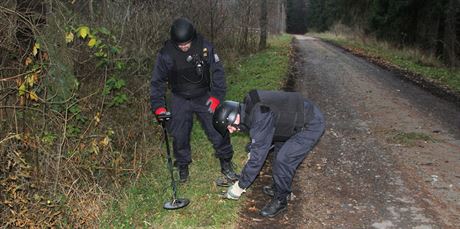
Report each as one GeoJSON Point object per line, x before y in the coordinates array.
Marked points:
{"type": "Point", "coordinates": [390, 157]}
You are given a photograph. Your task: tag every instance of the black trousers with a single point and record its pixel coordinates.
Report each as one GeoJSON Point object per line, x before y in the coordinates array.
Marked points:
{"type": "Point", "coordinates": [289, 154]}
{"type": "Point", "coordinates": [180, 127]}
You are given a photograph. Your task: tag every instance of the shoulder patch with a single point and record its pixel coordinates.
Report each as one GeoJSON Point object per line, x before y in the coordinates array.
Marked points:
{"type": "Point", "coordinates": [216, 58]}
{"type": "Point", "coordinates": [264, 109]}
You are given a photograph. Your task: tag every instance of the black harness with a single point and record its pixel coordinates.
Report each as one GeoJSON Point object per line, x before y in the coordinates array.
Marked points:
{"type": "Point", "coordinates": [291, 116]}
{"type": "Point", "coordinates": [190, 76]}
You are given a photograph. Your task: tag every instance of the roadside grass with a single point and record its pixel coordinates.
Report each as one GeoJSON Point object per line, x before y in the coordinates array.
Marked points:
{"type": "Point", "coordinates": [409, 59]}
{"type": "Point", "coordinates": [141, 204]}
{"type": "Point", "coordinates": [409, 138]}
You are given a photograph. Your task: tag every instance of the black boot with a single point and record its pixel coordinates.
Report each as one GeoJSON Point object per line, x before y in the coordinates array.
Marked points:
{"type": "Point", "coordinates": [227, 169]}
{"type": "Point", "coordinates": [275, 207]}
{"type": "Point", "coordinates": [269, 189]}
{"type": "Point", "coordinates": [183, 173]}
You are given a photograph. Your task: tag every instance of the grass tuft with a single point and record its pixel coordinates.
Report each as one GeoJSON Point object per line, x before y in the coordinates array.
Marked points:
{"type": "Point", "coordinates": [410, 138]}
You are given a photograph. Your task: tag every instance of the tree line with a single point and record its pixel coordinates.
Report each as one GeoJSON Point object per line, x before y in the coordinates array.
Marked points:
{"type": "Point", "coordinates": [431, 25]}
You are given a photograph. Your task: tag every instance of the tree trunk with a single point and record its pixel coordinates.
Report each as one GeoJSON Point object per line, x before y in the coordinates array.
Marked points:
{"type": "Point", "coordinates": [213, 4]}
{"type": "Point", "coordinates": [245, 25]}
{"type": "Point", "coordinates": [263, 25]}
{"type": "Point", "coordinates": [282, 16]}
{"type": "Point", "coordinates": [451, 45]}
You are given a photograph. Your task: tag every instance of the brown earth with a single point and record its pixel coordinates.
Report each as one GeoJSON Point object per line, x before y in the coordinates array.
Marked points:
{"type": "Point", "coordinates": [390, 157]}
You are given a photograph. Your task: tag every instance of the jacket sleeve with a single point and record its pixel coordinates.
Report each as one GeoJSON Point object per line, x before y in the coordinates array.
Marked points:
{"type": "Point", "coordinates": [159, 80]}
{"type": "Point", "coordinates": [261, 133]}
{"type": "Point", "coordinates": [218, 84]}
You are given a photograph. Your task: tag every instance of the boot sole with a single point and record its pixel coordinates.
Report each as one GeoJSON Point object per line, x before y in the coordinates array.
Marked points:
{"type": "Point", "coordinates": [273, 215]}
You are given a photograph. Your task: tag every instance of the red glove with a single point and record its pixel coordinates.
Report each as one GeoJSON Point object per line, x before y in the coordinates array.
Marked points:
{"type": "Point", "coordinates": [160, 110]}
{"type": "Point", "coordinates": [212, 103]}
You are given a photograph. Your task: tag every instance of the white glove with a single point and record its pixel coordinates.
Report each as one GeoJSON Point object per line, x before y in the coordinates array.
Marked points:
{"type": "Point", "coordinates": [234, 192]}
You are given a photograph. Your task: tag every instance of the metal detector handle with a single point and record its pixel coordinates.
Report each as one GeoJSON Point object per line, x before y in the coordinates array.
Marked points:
{"type": "Point", "coordinates": [166, 116]}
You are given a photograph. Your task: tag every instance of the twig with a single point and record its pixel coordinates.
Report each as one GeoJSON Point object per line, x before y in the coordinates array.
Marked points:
{"type": "Point", "coordinates": [21, 16]}
{"type": "Point", "coordinates": [10, 137]}
{"type": "Point", "coordinates": [20, 158]}
{"type": "Point", "coordinates": [124, 23]}
{"type": "Point", "coordinates": [61, 146]}
{"type": "Point", "coordinates": [16, 120]}
{"type": "Point", "coordinates": [103, 96]}
{"type": "Point", "coordinates": [86, 130]}
{"type": "Point", "coordinates": [135, 153]}
{"type": "Point", "coordinates": [71, 187]}
{"type": "Point", "coordinates": [29, 108]}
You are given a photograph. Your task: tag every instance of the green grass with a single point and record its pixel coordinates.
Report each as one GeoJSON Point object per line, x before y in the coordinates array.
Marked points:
{"type": "Point", "coordinates": [412, 60]}
{"type": "Point", "coordinates": [140, 205]}
{"type": "Point", "coordinates": [409, 138]}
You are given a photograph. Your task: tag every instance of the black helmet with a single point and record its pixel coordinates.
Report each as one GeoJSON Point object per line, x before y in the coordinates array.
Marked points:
{"type": "Point", "coordinates": [225, 115]}
{"type": "Point", "coordinates": [182, 30]}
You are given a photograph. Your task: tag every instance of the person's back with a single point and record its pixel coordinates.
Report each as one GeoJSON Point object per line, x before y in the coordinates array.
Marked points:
{"type": "Point", "coordinates": [283, 119]}
{"type": "Point", "coordinates": [290, 112]}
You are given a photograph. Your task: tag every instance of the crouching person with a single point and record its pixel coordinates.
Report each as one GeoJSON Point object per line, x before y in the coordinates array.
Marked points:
{"type": "Point", "coordinates": [283, 119]}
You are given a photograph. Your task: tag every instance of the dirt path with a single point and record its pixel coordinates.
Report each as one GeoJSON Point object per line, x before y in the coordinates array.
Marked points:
{"type": "Point", "coordinates": [360, 175]}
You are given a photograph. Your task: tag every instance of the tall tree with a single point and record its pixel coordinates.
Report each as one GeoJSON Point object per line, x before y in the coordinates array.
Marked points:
{"type": "Point", "coordinates": [296, 16]}
{"type": "Point", "coordinates": [432, 25]}
{"type": "Point", "coordinates": [263, 25]}
{"type": "Point", "coordinates": [451, 47]}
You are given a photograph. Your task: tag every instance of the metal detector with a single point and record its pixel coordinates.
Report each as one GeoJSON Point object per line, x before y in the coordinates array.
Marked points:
{"type": "Point", "coordinates": [175, 203]}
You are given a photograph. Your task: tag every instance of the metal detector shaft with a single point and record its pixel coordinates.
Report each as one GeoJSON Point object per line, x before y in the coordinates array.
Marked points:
{"type": "Point", "coordinates": [175, 203]}
{"type": "Point", "coordinates": [168, 153]}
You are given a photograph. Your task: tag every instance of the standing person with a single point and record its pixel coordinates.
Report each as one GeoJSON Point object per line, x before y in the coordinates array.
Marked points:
{"type": "Point", "coordinates": [293, 124]}
{"type": "Point", "coordinates": [192, 69]}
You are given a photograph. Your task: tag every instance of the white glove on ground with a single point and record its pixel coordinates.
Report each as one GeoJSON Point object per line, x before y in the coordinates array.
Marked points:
{"type": "Point", "coordinates": [234, 192]}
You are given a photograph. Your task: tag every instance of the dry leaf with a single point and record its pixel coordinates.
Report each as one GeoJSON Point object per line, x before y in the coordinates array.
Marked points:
{"type": "Point", "coordinates": [105, 141]}
{"type": "Point", "coordinates": [22, 89]}
{"type": "Point", "coordinates": [35, 49]}
{"type": "Point", "coordinates": [30, 80]}
{"type": "Point", "coordinates": [92, 42]}
{"type": "Point", "coordinates": [45, 56]}
{"type": "Point", "coordinates": [28, 61]}
{"type": "Point", "coordinates": [35, 76]}
{"type": "Point", "coordinates": [33, 96]}
{"type": "Point", "coordinates": [97, 118]}
{"type": "Point", "coordinates": [69, 37]}
{"type": "Point", "coordinates": [83, 31]}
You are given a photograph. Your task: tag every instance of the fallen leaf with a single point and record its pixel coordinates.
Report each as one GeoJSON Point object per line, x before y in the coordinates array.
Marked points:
{"type": "Point", "coordinates": [28, 61]}
{"type": "Point", "coordinates": [31, 79]}
{"type": "Point", "coordinates": [35, 76]}
{"type": "Point", "coordinates": [105, 141]}
{"type": "Point", "coordinates": [35, 49]}
{"type": "Point", "coordinates": [83, 31]}
{"type": "Point", "coordinates": [33, 96]}
{"type": "Point", "coordinates": [92, 42]}
{"type": "Point", "coordinates": [97, 118]}
{"type": "Point", "coordinates": [69, 37]}
{"type": "Point", "coordinates": [45, 56]}
{"type": "Point", "coordinates": [22, 89]}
